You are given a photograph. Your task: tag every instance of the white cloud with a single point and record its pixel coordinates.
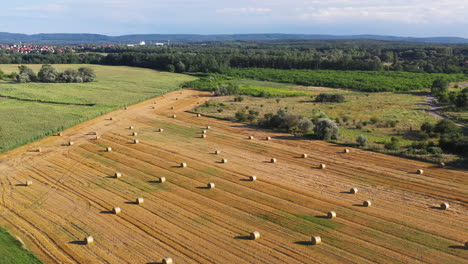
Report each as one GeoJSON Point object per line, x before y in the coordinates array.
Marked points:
{"type": "Point", "coordinates": [244, 10]}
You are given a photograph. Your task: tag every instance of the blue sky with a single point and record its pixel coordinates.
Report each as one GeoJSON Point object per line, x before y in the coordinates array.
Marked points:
{"type": "Point", "coordinates": [337, 17]}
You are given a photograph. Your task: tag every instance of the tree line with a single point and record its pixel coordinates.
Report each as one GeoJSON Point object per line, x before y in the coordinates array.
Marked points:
{"type": "Point", "coordinates": [220, 56]}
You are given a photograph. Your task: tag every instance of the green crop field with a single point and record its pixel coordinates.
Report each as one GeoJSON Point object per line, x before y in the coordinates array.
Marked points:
{"type": "Point", "coordinates": [12, 252]}
{"type": "Point", "coordinates": [60, 105]}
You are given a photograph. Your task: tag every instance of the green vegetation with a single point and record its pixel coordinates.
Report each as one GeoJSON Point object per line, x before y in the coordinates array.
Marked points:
{"type": "Point", "coordinates": [12, 251]}
{"type": "Point", "coordinates": [374, 118]}
{"type": "Point", "coordinates": [371, 81]}
{"type": "Point", "coordinates": [30, 111]}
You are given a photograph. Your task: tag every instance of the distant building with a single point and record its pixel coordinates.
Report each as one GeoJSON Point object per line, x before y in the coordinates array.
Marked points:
{"type": "Point", "coordinates": [142, 43]}
{"type": "Point", "coordinates": [130, 45]}
{"type": "Point", "coordinates": [159, 44]}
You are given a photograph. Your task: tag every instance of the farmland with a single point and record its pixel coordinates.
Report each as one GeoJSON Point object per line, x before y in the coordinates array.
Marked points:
{"type": "Point", "coordinates": [408, 110]}
{"type": "Point", "coordinates": [33, 110]}
{"type": "Point", "coordinates": [74, 190]}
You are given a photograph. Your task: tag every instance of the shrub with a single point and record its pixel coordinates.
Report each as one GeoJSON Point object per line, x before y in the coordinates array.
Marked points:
{"type": "Point", "coordinates": [47, 74]}
{"type": "Point", "coordinates": [394, 144]}
{"type": "Point", "coordinates": [304, 126]}
{"type": "Point", "coordinates": [228, 89]}
{"type": "Point", "coordinates": [26, 74]}
{"type": "Point", "coordinates": [87, 74]}
{"type": "Point", "coordinates": [427, 127]}
{"type": "Point", "coordinates": [335, 98]}
{"type": "Point", "coordinates": [238, 99]}
{"type": "Point", "coordinates": [434, 150]}
{"type": "Point", "coordinates": [326, 129]}
{"type": "Point", "coordinates": [282, 120]}
{"type": "Point", "coordinates": [374, 120]}
{"type": "Point", "coordinates": [362, 141]}
{"type": "Point", "coordinates": [445, 126]}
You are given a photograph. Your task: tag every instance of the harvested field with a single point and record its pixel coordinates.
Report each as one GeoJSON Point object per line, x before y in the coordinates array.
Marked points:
{"type": "Point", "coordinates": [74, 188]}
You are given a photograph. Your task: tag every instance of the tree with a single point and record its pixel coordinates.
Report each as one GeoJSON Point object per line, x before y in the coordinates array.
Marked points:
{"type": "Point", "coordinates": [180, 67]}
{"type": "Point", "coordinates": [362, 141]}
{"type": "Point", "coordinates": [439, 86]}
{"type": "Point", "coordinates": [47, 74]}
{"type": "Point", "coordinates": [445, 126]}
{"type": "Point", "coordinates": [170, 68]}
{"type": "Point", "coordinates": [26, 74]}
{"type": "Point", "coordinates": [326, 129]}
{"type": "Point", "coordinates": [304, 126]}
{"type": "Point", "coordinates": [87, 74]}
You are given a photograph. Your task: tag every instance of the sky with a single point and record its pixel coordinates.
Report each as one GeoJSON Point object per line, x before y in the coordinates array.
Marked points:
{"type": "Point", "coordinates": [414, 18]}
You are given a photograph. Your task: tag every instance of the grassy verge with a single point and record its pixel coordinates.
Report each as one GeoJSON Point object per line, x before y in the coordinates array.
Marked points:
{"type": "Point", "coordinates": [12, 251]}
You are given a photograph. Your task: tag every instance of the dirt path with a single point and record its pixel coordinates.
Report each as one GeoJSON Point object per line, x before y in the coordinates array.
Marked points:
{"type": "Point", "coordinates": [74, 191]}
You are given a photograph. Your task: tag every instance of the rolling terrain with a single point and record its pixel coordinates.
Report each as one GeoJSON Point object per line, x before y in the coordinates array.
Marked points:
{"type": "Point", "coordinates": [74, 191]}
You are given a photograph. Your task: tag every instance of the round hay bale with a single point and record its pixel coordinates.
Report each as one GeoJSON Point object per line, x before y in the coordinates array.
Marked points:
{"type": "Point", "coordinates": [110, 118]}
{"type": "Point", "coordinates": [316, 240]}
{"type": "Point", "coordinates": [162, 179]}
{"type": "Point", "coordinates": [331, 214]}
{"type": "Point", "coordinates": [140, 200]}
{"type": "Point", "coordinates": [154, 102]}
{"type": "Point", "coordinates": [466, 245]}
{"type": "Point", "coordinates": [183, 165]}
{"type": "Point", "coordinates": [97, 137]}
{"type": "Point", "coordinates": [273, 160]}
{"type": "Point", "coordinates": [217, 152]}
{"type": "Point", "coordinates": [444, 206]}
{"type": "Point", "coordinates": [268, 138]}
{"type": "Point", "coordinates": [255, 235]}
{"type": "Point", "coordinates": [203, 131]}
{"type": "Point", "coordinates": [153, 107]}
{"type": "Point", "coordinates": [420, 171]}
{"type": "Point", "coordinates": [161, 130]}
{"type": "Point", "coordinates": [134, 134]}
{"type": "Point", "coordinates": [118, 175]}
{"type": "Point", "coordinates": [353, 190]}
{"type": "Point", "coordinates": [224, 161]}
{"type": "Point", "coordinates": [346, 151]}
{"type": "Point", "coordinates": [203, 136]}
{"type": "Point", "coordinates": [442, 164]}
{"type": "Point", "coordinates": [210, 185]}
{"type": "Point", "coordinates": [125, 108]}
{"type": "Point", "coordinates": [29, 183]}
{"type": "Point", "coordinates": [251, 137]}
{"type": "Point", "coordinates": [198, 102]}
{"type": "Point", "coordinates": [59, 134]}
{"type": "Point", "coordinates": [38, 150]}
{"type": "Point", "coordinates": [322, 166]}
{"type": "Point", "coordinates": [131, 127]}
{"type": "Point", "coordinates": [304, 156]}
{"type": "Point", "coordinates": [177, 98]}
{"type": "Point", "coordinates": [208, 127]}
{"type": "Point", "coordinates": [108, 149]}
{"type": "Point", "coordinates": [253, 178]}
{"type": "Point", "coordinates": [174, 116]}
{"type": "Point", "coordinates": [198, 115]}
{"type": "Point", "coordinates": [88, 240]}
{"type": "Point", "coordinates": [172, 108]}
{"type": "Point", "coordinates": [167, 261]}
{"type": "Point", "coordinates": [70, 143]}
{"type": "Point", "coordinates": [367, 203]}
{"type": "Point", "coordinates": [116, 210]}
{"type": "Point", "coordinates": [136, 141]}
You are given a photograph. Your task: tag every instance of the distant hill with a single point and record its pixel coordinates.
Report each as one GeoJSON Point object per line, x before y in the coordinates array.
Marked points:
{"type": "Point", "coordinates": [61, 38]}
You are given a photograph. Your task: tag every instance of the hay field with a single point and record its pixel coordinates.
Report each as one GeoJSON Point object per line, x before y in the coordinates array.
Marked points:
{"type": "Point", "coordinates": [60, 105]}
{"type": "Point", "coordinates": [74, 191]}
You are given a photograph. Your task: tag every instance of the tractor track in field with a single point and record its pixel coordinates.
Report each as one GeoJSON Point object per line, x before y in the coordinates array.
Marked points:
{"type": "Point", "coordinates": [74, 191]}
